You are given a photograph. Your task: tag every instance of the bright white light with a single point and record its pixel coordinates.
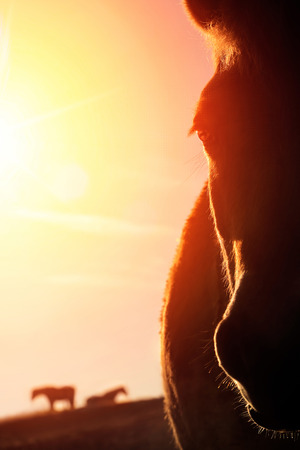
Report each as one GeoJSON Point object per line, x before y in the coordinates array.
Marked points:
{"type": "Point", "coordinates": [70, 183]}
{"type": "Point", "coordinates": [8, 147]}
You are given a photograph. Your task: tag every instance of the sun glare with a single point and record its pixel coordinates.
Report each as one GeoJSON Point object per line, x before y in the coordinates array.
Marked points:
{"type": "Point", "coordinates": [88, 171]}
{"type": "Point", "coordinates": [8, 147]}
{"type": "Point", "coordinates": [26, 135]}
{"type": "Point", "coordinates": [13, 154]}
{"type": "Point", "coordinates": [70, 182]}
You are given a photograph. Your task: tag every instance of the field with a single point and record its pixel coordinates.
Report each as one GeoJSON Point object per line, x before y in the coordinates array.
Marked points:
{"type": "Point", "coordinates": [136, 426]}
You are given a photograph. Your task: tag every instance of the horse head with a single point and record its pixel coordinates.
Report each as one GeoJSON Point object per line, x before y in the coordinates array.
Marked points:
{"type": "Point", "coordinates": [248, 121]}
{"type": "Point", "coordinates": [123, 390]}
{"type": "Point", "coordinates": [34, 393]}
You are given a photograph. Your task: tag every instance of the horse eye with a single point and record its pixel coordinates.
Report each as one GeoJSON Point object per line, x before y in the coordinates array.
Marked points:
{"type": "Point", "coordinates": [205, 137]}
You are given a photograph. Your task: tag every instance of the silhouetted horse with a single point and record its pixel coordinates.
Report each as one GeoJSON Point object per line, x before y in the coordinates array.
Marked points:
{"type": "Point", "coordinates": [109, 398]}
{"type": "Point", "coordinates": [54, 394]}
{"type": "Point", "coordinates": [234, 290]}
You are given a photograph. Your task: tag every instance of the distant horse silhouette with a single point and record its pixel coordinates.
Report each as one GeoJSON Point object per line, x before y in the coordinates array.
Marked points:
{"type": "Point", "coordinates": [233, 296]}
{"type": "Point", "coordinates": [54, 394]}
{"type": "Point", "coordinates": [109, 398]}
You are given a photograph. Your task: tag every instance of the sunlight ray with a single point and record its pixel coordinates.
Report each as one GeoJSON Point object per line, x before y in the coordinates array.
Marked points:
{"type": "Point", "coordinates": [63, 109]}
{"type": "Point", "coordinates": [89, 223]}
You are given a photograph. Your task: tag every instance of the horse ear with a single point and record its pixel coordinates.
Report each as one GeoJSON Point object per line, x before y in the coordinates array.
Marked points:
{"type": "Point", "coordinates": [203, 12]}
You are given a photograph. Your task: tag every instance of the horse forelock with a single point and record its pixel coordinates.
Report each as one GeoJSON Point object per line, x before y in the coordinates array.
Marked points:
{"type": "Point", "coordinates": [246, 34]}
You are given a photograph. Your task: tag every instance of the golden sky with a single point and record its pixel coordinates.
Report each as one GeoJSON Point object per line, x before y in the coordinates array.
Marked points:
{"type": "Point", "coordinates": [96, 179]}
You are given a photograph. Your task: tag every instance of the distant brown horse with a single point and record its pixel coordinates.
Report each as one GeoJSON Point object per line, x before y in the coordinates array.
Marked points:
{"type": "Point", "coordinates": [232, 302]}
{"type": "Point", "coordinates": [108, 398]}
{"type": "Point", "coordinates": [54, 394]}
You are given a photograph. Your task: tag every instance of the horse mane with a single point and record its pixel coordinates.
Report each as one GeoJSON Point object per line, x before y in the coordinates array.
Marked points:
{"type": "Point", "coordinates": [245, 33]}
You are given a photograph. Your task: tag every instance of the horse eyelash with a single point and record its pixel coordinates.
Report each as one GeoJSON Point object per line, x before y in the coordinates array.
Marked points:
{"type": "Point", "coordinates": [202, 135]}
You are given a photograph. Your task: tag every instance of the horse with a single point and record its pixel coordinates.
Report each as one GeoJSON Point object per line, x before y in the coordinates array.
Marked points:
{"type": "Point", "coordinates": [54, 394]}
{"type": "Point", "coordinates": [107, 399]}
{"type": "Point", "coordinates": [230, 320]}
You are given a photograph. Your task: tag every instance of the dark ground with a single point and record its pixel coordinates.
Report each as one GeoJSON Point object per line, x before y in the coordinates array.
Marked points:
{"type": "Point", "coordinates": [135, 426]}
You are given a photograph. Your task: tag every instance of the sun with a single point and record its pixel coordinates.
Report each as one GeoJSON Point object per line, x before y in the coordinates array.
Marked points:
{"type": "Point", "coordinates": [68, 183]}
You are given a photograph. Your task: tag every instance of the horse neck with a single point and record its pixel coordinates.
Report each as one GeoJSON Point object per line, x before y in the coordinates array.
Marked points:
{"type": "Point", "coordinates": [115, 392]}
{"type": "Point", "coordinates": [121, 390]}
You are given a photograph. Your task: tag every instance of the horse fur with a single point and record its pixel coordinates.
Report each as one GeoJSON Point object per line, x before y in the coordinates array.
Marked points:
{"type": "Point", "coordinates": [232, 301]}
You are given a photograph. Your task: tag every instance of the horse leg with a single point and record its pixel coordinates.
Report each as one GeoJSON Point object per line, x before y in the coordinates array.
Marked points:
{"type": "Point", "coordinates": [51, 401]}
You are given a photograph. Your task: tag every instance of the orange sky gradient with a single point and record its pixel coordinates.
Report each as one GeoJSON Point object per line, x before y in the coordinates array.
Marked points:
{"type": "Point", "coordinates": [97, 176]}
